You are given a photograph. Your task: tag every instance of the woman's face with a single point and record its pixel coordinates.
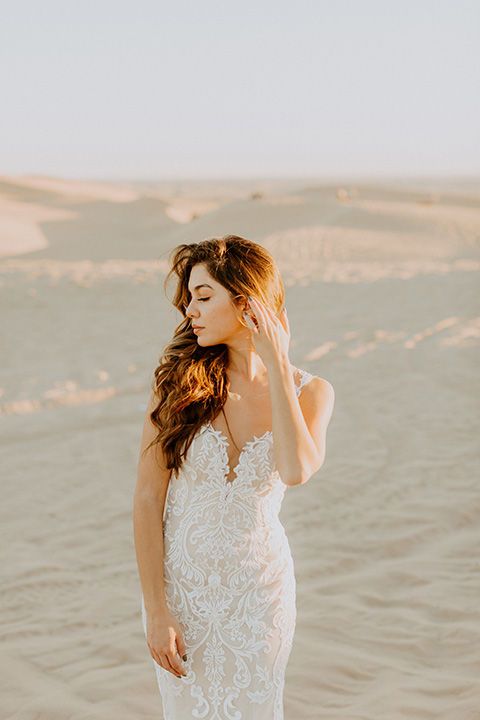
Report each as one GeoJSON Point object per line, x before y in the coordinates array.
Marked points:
{"type": "Point", "coordinates": [215, 319]}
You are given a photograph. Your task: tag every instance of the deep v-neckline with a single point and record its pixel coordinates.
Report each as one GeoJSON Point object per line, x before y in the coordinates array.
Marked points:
{"type": "Point", "coordinates": [226, 444]}
{"type": "Point", "coordinates": [304, 379]}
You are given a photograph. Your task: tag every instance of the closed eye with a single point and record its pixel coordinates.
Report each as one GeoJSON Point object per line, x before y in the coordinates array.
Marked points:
{"type": "Point", "coordinates": [189, 299]}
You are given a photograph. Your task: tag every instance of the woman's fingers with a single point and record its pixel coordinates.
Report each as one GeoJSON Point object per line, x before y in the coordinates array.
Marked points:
{"type": "Point", "coordinates": [269, 312]}
{"type": "Point", "coordinates": [155, 655]}
{"type": "Point", "coordinates": [172, 656]}
{"type": "Point", "coordinates": [174, 664]}
{"type": "Point", "coordinates": [284, 321]}
{"type": "Point", "coordinates": [166, 665]}
{"type": "Point", "coordinates": [164, 638]}
{"type": "Point", "coordinates": [169, 660]}
{"type": "Point", "coordinates": [258, 312]}
{"type": "Point", "coordinates": [182, 651]}
{"type": "Point", "coordinates": [250, 324]}
{"type": "Point", "coordinates": [264, 311]}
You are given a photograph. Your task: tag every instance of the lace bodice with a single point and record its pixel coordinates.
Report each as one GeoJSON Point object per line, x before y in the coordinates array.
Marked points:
{"type": "Point", "coordinates": [263, 443]}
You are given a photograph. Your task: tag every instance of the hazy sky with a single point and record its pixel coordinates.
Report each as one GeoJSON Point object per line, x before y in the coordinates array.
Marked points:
{"type": "Point", "coordinates": [211, 88]}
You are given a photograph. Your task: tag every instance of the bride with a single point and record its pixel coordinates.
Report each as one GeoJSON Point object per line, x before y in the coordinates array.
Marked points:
{"type": "Point", "coordinates": [230, 425]}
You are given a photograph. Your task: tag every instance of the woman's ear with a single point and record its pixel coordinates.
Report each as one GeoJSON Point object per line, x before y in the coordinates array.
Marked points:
{"type": "Point", "coordinates": [243, 307]}
{"type": "Point", "coordinates": [242, 303]}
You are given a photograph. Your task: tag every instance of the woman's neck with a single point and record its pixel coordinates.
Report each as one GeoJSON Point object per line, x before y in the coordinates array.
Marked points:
{"type": "Point", "coordinates": [244, 361]}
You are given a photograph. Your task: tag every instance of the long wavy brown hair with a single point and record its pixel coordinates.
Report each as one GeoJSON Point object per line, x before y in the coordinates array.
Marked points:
{"type": "Point", "coordinates": [191, 382]}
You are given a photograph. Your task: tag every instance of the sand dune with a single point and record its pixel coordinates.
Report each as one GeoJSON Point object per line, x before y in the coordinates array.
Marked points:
{"type": "Point", "coordinates": [383, 301]}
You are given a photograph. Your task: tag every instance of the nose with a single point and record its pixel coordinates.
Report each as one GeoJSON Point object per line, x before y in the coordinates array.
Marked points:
{"type": "Point", "coordinates": [191, 310]}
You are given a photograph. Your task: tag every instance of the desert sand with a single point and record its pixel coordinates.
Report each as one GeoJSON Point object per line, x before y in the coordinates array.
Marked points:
{"type": "Point", "coordinates": [383, 297]}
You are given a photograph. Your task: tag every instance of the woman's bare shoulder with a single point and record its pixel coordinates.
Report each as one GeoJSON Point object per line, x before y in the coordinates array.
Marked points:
{"type": "Point", "coordinates": [308, 379]}
{"type": "Point", "coordinates": [317, 399]}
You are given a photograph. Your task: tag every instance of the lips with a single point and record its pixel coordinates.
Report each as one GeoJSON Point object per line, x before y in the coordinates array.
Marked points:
{"type": "Point", "coordinates": [196, 328]}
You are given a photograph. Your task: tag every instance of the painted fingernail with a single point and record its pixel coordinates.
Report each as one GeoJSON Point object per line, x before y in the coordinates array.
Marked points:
{"type": "Point", "coordinates": [184, 658]}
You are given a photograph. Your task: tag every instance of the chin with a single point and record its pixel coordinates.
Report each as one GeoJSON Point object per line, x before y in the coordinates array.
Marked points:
{"type": "Point", "coordinates": [203, 342]}
{"type": "Point", "coordinates": [206, 343]}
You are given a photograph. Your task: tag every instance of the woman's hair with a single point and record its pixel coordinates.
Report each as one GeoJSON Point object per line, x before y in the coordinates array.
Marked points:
{"type": "Point", "coordinates": [190, 381]}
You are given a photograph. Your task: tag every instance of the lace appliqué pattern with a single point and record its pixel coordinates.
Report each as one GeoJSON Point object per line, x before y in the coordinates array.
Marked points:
{"type": "Point", "coordinates": [229, 581]}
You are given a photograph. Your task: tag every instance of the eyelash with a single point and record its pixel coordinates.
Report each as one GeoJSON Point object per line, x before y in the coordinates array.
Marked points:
{"type": "Point", "coordinates": [199, 299]}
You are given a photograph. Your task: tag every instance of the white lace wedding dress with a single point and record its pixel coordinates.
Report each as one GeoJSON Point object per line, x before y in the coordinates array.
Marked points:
{"type": "Point", "coordinates": [229, 581]}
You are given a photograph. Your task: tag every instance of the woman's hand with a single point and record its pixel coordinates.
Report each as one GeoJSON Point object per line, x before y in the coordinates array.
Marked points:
{"type": "Point", "coordinates": [270, 334]}
{"type": "Point", "coordinates": [165, 639]}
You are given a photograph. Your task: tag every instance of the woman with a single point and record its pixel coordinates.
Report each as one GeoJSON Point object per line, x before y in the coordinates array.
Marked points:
{"type": "Point", "coordinates": [230, 425]}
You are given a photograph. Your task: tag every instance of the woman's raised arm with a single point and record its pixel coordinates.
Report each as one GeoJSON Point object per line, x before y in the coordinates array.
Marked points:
{"type": "Point", "coordinates": [299, 427]}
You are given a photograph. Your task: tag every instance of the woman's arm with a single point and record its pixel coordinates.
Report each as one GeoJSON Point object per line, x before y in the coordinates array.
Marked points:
{"type": "Point", "coordinates": [164, 635]}
{"type": "Point", "coordinates": [299, 426]}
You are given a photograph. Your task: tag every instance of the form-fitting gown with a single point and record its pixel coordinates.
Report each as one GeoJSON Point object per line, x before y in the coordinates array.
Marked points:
{"type": "Point", "coordinates": [229, 581]}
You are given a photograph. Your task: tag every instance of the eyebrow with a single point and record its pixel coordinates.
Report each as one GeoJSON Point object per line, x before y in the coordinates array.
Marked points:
{"type": "Point", "coordinates": [197, 287]}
